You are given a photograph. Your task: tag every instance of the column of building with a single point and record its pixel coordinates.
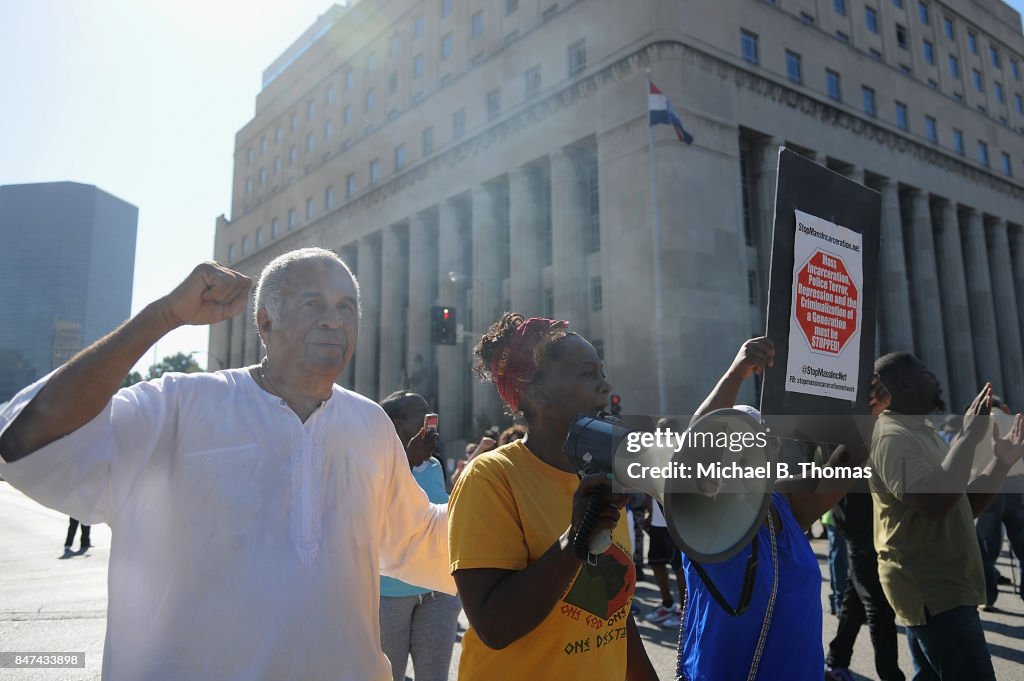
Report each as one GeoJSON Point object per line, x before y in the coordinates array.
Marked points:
{"type": "Point", "coordinates": [419, 360]}
{"type": "Point", "coordinates": [568, 211]}
{"type": "Point", "coordinates": [348, 376]}
{"type": "Point", "coordinates": [765, 181]}
{"type": "Point", "coordinates": [394, 290]}
{"type": "Point", "coordinates": [1011, 354]}
{"type": "Point", "coordinates": [486, 281]}
{"type": "Point", "coordinates": [979, 297]}
{"type": "Point", "coordinates": [526, 276]}
{"type": "Point", "coordinates": [1017, 256]}
{"type": "Point", "coordinates": [452, 364]}
{"type": "Point", "coordinates": [926, 308]}
{"type": "Point", "coordinates": [368, 345]}
{"type": "Point", "coordinates": [956, 314]}
{"type": "Point", "coordinates": [894, 290]}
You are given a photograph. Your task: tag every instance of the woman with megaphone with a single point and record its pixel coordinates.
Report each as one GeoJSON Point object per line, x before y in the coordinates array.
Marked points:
{"type": "Point", "coordinates": [538, 606]}
{"type": "Point", "coordinates": [774, 630]}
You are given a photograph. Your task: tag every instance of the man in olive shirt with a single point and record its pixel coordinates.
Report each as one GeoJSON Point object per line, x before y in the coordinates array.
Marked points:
{"type": "Point", "coordinates": [929, 563]}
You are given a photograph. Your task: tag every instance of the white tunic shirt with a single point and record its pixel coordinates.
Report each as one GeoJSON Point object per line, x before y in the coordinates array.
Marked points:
{"type": "Point", "coordinates": [245, 543]}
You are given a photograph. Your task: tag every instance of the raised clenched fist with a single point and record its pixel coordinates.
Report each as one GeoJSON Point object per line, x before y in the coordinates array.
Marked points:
{"type": "Point", "coordinates": [210, 294]}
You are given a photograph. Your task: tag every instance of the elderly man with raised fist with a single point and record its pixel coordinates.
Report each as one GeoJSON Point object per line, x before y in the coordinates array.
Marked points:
{"type": "Point", "coordinates": [250, 509]}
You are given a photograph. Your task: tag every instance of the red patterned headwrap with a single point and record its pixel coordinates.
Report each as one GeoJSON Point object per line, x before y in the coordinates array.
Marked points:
{"type": "Point", "coordinates": [513, 367]}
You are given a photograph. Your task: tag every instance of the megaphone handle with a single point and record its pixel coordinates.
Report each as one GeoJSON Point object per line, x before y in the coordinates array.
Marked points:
{"type": "Point", "coordinates": [582, 544]}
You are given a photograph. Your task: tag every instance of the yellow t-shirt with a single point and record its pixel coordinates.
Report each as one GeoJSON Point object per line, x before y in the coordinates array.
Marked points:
{"type": "Point", "coordinates": [506, 510]}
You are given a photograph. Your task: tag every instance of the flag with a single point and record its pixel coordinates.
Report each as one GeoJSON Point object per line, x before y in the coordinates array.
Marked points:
{"type": "Point", "coordinates": [662, 113]}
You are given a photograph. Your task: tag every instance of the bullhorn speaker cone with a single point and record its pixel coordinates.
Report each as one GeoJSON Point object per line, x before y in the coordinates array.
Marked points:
{"type": "Point", "coordinates": [706, 478]}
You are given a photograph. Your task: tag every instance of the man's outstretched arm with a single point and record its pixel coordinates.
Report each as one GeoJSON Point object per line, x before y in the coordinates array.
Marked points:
{"type": "Point", "coordinates": [80, 389]}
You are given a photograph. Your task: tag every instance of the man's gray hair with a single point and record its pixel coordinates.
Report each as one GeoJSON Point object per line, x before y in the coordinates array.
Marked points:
{"type": "Point", "coordinates": [271, 283]}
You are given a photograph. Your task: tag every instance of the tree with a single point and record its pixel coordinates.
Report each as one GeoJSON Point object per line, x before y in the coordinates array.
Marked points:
{"type": "Point", "coordinates": [131, 379]}
{"type": "Point", "coordinates": [179, 362]}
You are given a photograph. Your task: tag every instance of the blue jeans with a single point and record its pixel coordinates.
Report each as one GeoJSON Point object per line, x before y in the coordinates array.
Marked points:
{"type": "Point", "coordinates": [838, 567]}
{"type": "Point", "coordinates": [951, 647]}
{"type": "Point", "coordinates": [1006, 509]}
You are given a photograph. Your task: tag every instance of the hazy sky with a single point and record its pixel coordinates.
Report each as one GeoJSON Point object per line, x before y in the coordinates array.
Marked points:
{"type": "Point", "coordinates": [143, 98]}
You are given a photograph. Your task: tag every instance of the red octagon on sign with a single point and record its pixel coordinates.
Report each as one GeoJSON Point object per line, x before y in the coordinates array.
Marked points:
{"type": "Point", "coordinates": [826, 303]}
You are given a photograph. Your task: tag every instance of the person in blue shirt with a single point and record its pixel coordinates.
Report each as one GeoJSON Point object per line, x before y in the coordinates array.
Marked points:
{"type": "Point", "coordinates": [779, 634]}
{"type": "Point", "coordinates": [416, 621]}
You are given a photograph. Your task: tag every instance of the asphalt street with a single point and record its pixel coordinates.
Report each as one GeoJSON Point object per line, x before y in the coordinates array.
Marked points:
{"type": "Point", "coordinates": [50, 602]}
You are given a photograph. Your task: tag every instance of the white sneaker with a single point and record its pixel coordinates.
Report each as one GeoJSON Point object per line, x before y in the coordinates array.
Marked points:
{"type": "Point", "coordinates": [671, 622]}
{"type": "Point", "coordinates": [661, 613]}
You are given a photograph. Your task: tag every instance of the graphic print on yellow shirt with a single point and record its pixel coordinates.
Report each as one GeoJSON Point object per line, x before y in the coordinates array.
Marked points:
{"type": "Point", "coordinates": [507, 509]}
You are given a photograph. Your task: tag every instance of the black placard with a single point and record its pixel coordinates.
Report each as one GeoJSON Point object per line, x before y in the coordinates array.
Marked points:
{"type": "Point", "coordinates": [806, 186]}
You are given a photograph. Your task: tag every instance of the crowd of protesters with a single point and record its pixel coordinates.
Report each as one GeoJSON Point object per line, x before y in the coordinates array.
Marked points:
{"type": "Point", "coordinates": [363, 548]}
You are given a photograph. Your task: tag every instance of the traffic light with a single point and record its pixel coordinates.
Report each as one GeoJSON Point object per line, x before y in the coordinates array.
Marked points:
{"type": "Point", "coordinates": [442, 325]}
{"type": "Point", "coordinates": [616, 405]}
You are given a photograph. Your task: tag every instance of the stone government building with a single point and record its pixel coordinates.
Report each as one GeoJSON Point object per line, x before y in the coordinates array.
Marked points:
{"type": "Point", "coordinates": [492, 154]}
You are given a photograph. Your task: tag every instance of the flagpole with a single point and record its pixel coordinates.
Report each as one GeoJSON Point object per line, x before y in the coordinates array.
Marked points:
{"type": "Point", "coordinates": [659, 312]}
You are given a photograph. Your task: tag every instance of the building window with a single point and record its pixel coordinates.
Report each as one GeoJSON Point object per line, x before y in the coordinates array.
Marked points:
{"type": "Point", "coordinates": [931, 129]}
{"type": "Point", "coordinates": [954, 67]}
{"type": "Point", "coordinates": [833, 85]}
{"type": "Point", "coordinates": [493, 104]}
{"type": "Point", "coordinates": [346, 116]}
{"type": "Point", "coordinates": [259, 237]}
{"type": "Point", "coordinates": [392, 83]}
{"type": "Point", "coordinates": [868, 97]}
{"type": "Point", "coordinates": [947, 27]}
{"type": "Point", "coordinates": [245, 246]}
{"type": "Point", "coordinates": [309, 142]}
{"type": "Point", "coordinates": [1018, 101]}
{"type": "Point", "coordinates": [596, 300]}
{"type": "Point", "coordinates": [748, 234]}
{"type": "Point", "coordinates": [446, 8]}
{"type": "Point", "coordinates": [329, 197]}
{"type": "Point", "coordinates": [427, 139]}
{"type": "Point", "coordinates": [477, 24]}
{"type": "Point", "coordinates": [993, 54]}
{"type": "Point", "coordinates": [399, 157]}
{"type": "Point", "coordinates": [1007, 165]}
{"type": "Point", "coordinates": [958, 141]}
{"type": "Point", "coordinates": [979, 84]}
{"type": "Point", "coordinates": [593, 215]}
{"type": "Point", "coordinates": [871, 19]}
{"type": "Point", "coordinates": [1000, 95]}
{"type": "Point", "coordinates": [263, 175]}
{"type": "Point", "coordinates": [929, 52]}
{"type": "Point", "coordinates": [350, 185]}
{"type": "Point", "coordinates": [446, 46]}
{"type": "Point", "coordinates": [277, 165]}
{"type": "Point", "coordinates": [532, 78]}
{"type": "Point", "coordinates": [577, 57]}
{"type": "Point", "coordinates": [374, 171]}
{"type": "Point", "coordinates": [278, 134]}
{"type": "Point", "coordinates": [1015, 69]}
{"type": "Point", "coordinates": [263, 145]}
{"type": "Point", "coordinates": [923, 11]}
{"type": "Point", "coordinates": [549, 303]}
{"type": "Point", "coordinates": [292, 154]}
{"type": "Point", "coordinates": [511, 6]}
{"type": "Point", "coordinates": [972, 42]}
{"type": "Point", "coordinates": [901, 36]}
{"type": "Point", "coordinates": [371, 61]}
{"type": "Point", "coordinates": [291, 218]}
{"type": "Point", "coordinates": [840, 7]}
{"type": "Point", "coordinates": [248, 185]}
{"type": "Point", "coordinates": [417, 66]}
{"type": "Point", "coordinates": [231, 253]}
{"type": "Point", "coordinates": [328, 128]}
{"type": "Point", "coordinates": [794, 69]}
{"type": "Point", "coordinates": [275, 228]}
{"type": "Point", "coordinates": [983, 153]}
{"type": "Point", "coordinates": [310, 109]}
{"type": "Point", "coordinates": [310, 207]}
{"type": "Point", "coordinates": [417, 26]}
{"type": "Point", "coordinates": [902, 119]}
{"type": "Point", "coordinates": [458, 124]}
{"type": "Point", "coordinates": [898, 3]}
{"type": "Point", "coordinates": [393, 47]}
{"type": "Point", "coordinates": [348, 80]}
{"type": "Point", "coordinates": [369, 99]}
{"type": "Point", "coordinates": [248, 156]}
{"type": "Point", "coordinates": [748, 46]}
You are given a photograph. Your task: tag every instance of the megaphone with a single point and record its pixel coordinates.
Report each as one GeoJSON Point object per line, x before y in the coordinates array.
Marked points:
{"type": "Point", "coordinates": [713, 506]}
